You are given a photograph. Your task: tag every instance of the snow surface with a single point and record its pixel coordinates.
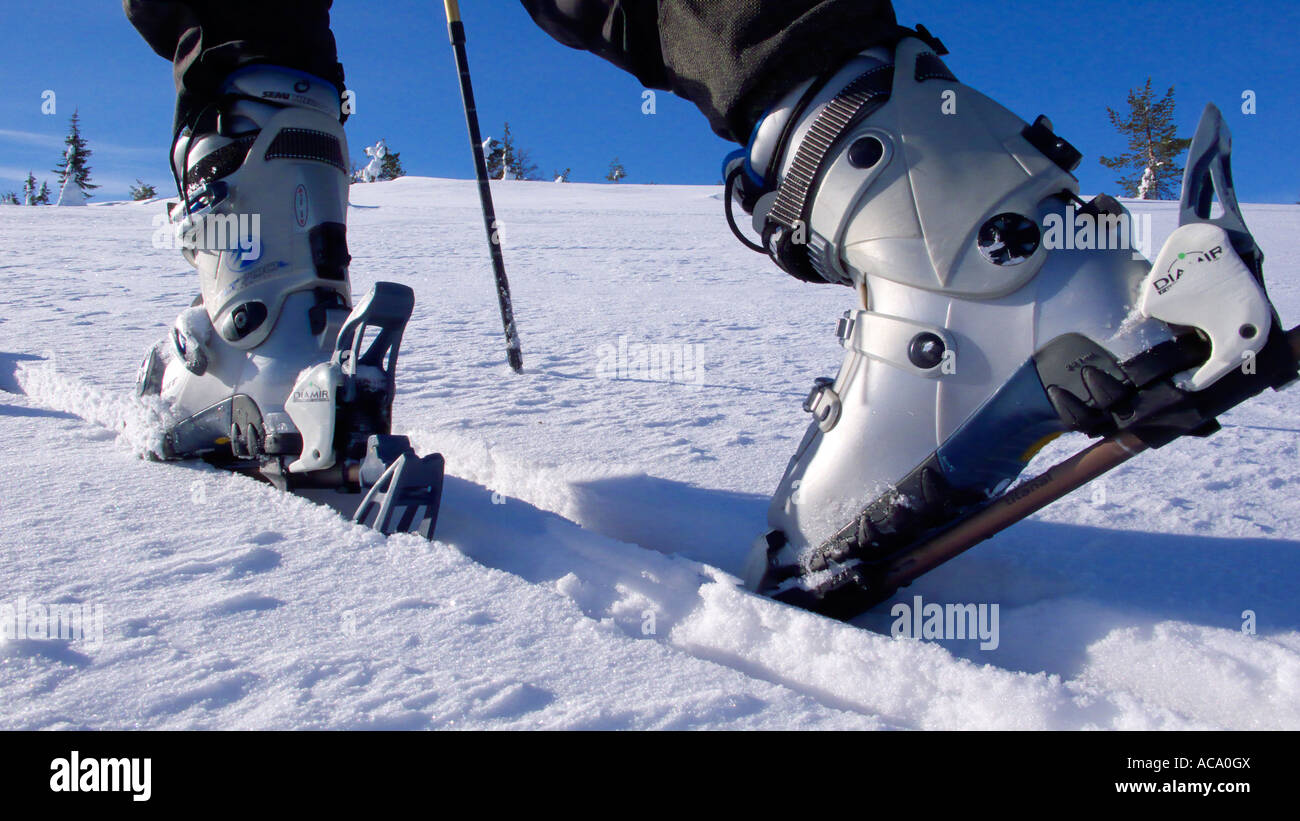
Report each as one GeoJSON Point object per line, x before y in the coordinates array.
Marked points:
{"type": "Point", "coordinates": [584, 573]}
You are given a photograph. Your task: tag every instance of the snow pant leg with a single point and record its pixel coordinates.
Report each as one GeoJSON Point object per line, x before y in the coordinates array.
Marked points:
{"type": "Point", "coordinates": [208, 39]}
{"type": "Point", "coordinates": [732, 58]}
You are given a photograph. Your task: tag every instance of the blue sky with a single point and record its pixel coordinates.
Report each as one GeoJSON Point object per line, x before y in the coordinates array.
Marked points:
{"type": "Point", "coordinates": [1065, 59]}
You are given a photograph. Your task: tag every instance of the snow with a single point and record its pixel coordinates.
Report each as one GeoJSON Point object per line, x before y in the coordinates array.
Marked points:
{"type": "Point", "coordinates": [70, 194]}
{"type": "Point", "coordinates": [584, 574]}
{"type": "Point", "coordinates": [375, 167]}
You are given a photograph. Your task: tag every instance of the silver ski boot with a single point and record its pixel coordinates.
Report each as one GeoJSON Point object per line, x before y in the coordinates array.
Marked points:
{"type": "Point", "coordinates": [267, 371]}
{"type": "Point", "coordinates": [986, 325]}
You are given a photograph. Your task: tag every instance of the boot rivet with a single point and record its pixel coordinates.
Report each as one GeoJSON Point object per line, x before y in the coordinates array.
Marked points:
{"type": "Point", "coordinates": [926, 351]}
{"type": "Point", "coordinates": [243, 321]}
{"type": "Point", "coordinates": [1009, 239]}
{"type": "Point", "coordinates": [866, 152]}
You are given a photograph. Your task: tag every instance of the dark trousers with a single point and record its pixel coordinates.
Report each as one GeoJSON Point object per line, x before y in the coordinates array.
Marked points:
{"type": "Point", "coordinates": [732, 58]}
{"type": "Point", "coordinates": [208, 39]}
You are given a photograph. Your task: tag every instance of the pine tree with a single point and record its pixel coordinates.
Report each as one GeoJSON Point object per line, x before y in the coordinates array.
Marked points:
{"type": "Point", "coordinates": [391, 166]}
{"type": "Point", "coordinates": [523, 167]}
{"type": "Point", "coordinates": [563, 176]}
{"type": "Point", "coordinates": [29, 189]}
{"type": "Point", "coordinates": [1153, 145]}
{"type": "Point", "coordinates": [142, 190]}
{"type": "Point", "coordinates": [508, 150]}
{"type": "Point", "coordinates": [74, 159]}
{"type": "Point", "coordinates": [9, 199]}
{"type": "Point", "coordinates": [617, 173]}
{"type": "Point", "coordinates": [506, 160]}
{"type": "Point", "coordinates": [43, 198]}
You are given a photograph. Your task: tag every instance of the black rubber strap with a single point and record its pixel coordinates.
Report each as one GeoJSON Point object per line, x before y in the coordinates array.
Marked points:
{"type": "Point", "coordinates": [306, 144]}
{"type": "Point", "coordinates": [773, 169]}
{"type": "Point", "coordinates": [836, 118]}
{"type": "Point", "coordinates": [220, 163]}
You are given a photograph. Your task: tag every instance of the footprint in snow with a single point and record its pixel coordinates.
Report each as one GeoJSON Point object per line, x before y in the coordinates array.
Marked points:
{"type": "Point", "coordinates": [515, 700]}
{"type": "Point", "coordinates": [243, 603]}
{"type": "Point", "coordinates": [56, 650]}
{"type": "Point", "coordinates": [257, 560]}
{"type": "Point", "coordinates": [137, 627]}
{"type": "Point", "coordinates": [210, 695]}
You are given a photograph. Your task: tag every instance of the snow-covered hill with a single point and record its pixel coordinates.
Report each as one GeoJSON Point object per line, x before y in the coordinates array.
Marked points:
{"type": "Point", "coordinates": [584, 572]}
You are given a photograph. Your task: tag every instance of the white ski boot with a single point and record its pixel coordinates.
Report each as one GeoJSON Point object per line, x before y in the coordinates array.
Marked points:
{"type": "Point", "coordinates": [984, 329]}
{"type": "Point", "coordinates": [266, 372]}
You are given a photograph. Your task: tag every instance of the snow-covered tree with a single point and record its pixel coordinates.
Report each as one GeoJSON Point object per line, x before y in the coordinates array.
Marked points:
{"type": "Point", "coordinates": [142, 190]}
{"type": "Point", "coordinates": [74, 165]}
{"type": "Point", "coordinates": [29, 189]}
{"type": "Point", "coordinates": [384, 164]}
{"type": "Point", "coordinates": [617, 173]}
{"type": "Point", "coordinates": [9, 199]}
{"type": "Point", "coordinates": [492, 154]}
{"type": "Point", "coordinates": [391, 166]}
{"type": "Point", "coordinates": [1153, 145]}
{"type": "Point", "coordinates": [69, 192]}
{"type": "Point", "coordinates": [43, 198]}
{"type": "Point", "coordinates": [506, 160]}
{"type": "Point", "coordinates": [563, 176]}
{"type": "Point", "coordinates": [371, 170]}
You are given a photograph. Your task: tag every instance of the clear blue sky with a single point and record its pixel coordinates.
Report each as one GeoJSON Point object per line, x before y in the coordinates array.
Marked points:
{"type": "Point", "coordinates": [1066, 59]}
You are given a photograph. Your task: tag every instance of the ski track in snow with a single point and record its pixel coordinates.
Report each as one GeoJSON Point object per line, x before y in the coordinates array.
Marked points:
{"type": "Point", "coordinates": [583, 575]}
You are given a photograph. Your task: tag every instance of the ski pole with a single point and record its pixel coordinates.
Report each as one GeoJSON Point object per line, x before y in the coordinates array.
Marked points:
{"type": "Point", "coordinates": [456, 30]}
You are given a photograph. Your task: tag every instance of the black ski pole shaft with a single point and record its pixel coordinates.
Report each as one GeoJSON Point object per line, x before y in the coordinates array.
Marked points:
{"type": "Point", "coordinates": [456, 30]}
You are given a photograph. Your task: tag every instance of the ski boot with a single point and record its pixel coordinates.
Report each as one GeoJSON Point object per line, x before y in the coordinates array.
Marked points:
{"type": "Point", "coordinates": [982, 331]}
{"type": "Point", "coordinates": [273, 371]}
